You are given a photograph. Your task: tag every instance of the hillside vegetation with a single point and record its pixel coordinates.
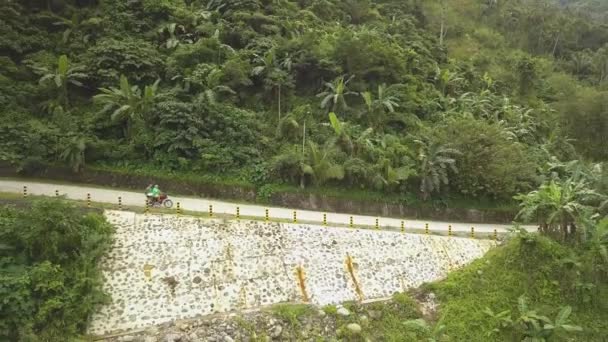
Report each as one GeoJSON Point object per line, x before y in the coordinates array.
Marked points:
{"type": "Point", "coordinates": [414, 99]}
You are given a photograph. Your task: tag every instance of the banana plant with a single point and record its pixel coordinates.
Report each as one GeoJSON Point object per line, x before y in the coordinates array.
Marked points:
{"type": "Point", "coordinates": [61, 77]}
{"type": "Point", "coordinates": [127, 103]}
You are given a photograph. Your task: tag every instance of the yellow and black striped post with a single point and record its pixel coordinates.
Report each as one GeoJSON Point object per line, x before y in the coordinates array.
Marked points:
{"type": "Point", "coordinates": [450, 230]}
{"type": "Point", "coordinates": [295, 218]}
{"type": "Point", "coordinates": [119, 203]}
{"type": "Point", "coordinates": [325, 219]}
{"type": "Point", "coordinates": [178, 208]}
{"type": "Point", "coordinates": [426, 228]}
{"type": "Point", "coordinates": [402, 226]}
{"type": "Point", "coordinates": [210, 210]}
{"type": "Point", "coordinates": [147, 209]}
{"type": "Point", "coordinates": [88, 200]}
{"type": "Point", "coordinates": [495, 235]}
{"type": "Point", "coordinates": [238, 213]}
{"type": "Point", "coordinates": [472, 232]}
{"type": "Point", "coordinates": [267, 219]}
{"type": "Point", "coordinates": [351, 222]}
{"type": "Point", "coordinates": [56, 193]}
{"type": "Point", "coordinates": [377, 225]}
{"type": "Point", "coordinates": [24, 191]}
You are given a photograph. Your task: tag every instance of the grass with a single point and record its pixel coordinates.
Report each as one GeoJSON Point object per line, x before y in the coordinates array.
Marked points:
{"type": "Point", "coordinates": [292, 314]}
{"type": "Point", "coordinates": [534, 269]}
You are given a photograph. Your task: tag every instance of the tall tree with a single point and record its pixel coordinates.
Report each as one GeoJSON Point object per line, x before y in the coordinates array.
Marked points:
{"type": "Point", "coordinates": [276, 73]}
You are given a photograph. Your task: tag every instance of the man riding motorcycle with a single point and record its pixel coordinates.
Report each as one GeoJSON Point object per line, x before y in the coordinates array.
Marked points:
{"type": "Point", "coordinates": [153, 193]}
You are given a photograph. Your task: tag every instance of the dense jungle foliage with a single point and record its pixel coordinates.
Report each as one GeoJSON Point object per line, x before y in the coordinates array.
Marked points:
{"type": "Point", "coordinates": [430, 99]}
{"type": "Point", "coordinates": [49, 280]}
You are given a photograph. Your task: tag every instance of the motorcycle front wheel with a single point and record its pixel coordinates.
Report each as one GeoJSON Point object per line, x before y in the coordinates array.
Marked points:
{"type": "Point", "coordinates": [168, 203]}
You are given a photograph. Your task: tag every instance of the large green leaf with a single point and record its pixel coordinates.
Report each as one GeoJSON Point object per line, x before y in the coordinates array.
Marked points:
{"type": "Point", "coordinates": [335, 123]}
{"type": "Point", "coordinates": [63, 65]}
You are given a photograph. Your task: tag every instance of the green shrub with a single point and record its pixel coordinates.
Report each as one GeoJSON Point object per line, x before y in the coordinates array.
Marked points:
{"type": "Point", "coordinates": [49, 280]}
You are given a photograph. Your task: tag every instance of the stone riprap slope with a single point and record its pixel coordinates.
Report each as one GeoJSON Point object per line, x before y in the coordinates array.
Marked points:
{"type": "Point", "coordinates": [164, 267]}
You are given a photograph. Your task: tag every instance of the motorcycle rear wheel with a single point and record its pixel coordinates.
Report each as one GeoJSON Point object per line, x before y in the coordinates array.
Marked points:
{"type": "Point", "coordinates": [168, 203]}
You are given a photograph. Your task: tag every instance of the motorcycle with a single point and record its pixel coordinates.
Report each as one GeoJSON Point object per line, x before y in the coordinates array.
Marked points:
{"type": "Point", "coordinates": [163, 201]}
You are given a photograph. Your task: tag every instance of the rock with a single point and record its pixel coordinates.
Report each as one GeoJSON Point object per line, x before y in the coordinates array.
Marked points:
{"type": "Point", "coordinates": [183, 327]}
{"type": "Point", "coordinates": [363, 319]}
{"type": "Point", "coordinates": [343, 312]}
{"type": "Point", "coordinates": [173, 338]}
{"type": "Point", "coordinates": [354, 328]}
{"type": "Point", "coordinates": [322, 313]}
{"type": "Point", "coordinates": [276, 331]}
{"type": "Point", "coordinates": [150, 339]}
{"type": "Point", "coordinates": [152, 331]}
{"type": "Point", "coordinates": [126, 338]}
{"type": "Point", "coordinates": [374, 314]}
{"type": "Point", "coordinates": [228, 339]}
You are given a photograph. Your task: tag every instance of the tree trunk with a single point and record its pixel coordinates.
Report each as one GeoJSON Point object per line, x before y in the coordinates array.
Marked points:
{"type": "Point", "coordinates": [442, 29]}
{"type": "Point", "coordinates": [304, 138]}
{"type": "Point", "coordinates": [555, 45]}
{"type": "Point", "coordinates": [279, 102]}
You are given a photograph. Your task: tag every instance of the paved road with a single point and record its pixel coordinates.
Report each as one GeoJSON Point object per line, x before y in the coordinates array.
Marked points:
{"type": "Point", "coordinates": [130, 198]}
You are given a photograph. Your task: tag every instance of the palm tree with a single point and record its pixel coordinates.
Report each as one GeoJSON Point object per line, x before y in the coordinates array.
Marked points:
{"type": "Point", "coordinates": [127, 103]}
{"type": "Point", "coordinates": [214, 86]}
{"type": "Point", "coordinates": [319, 165]}
{"type": "Point", "coordinates": [316, 163]}
{"type": "Point", "coordinates": [61, 77]}
{"type": "Point", "coordinates": [434, 160]}
{"type": "Point", "coordinates": [289, 126]}
{"type": "Point", "coordinates": [377, 107]}
{"type": "Point", "coordinates": [558, 206]}
{"type": "Point", "coordinates": [276, 73]}
{"type": "Point", "coordinates": [73, 153]}
{"type": "Point", "coordinates": [336, 93]}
